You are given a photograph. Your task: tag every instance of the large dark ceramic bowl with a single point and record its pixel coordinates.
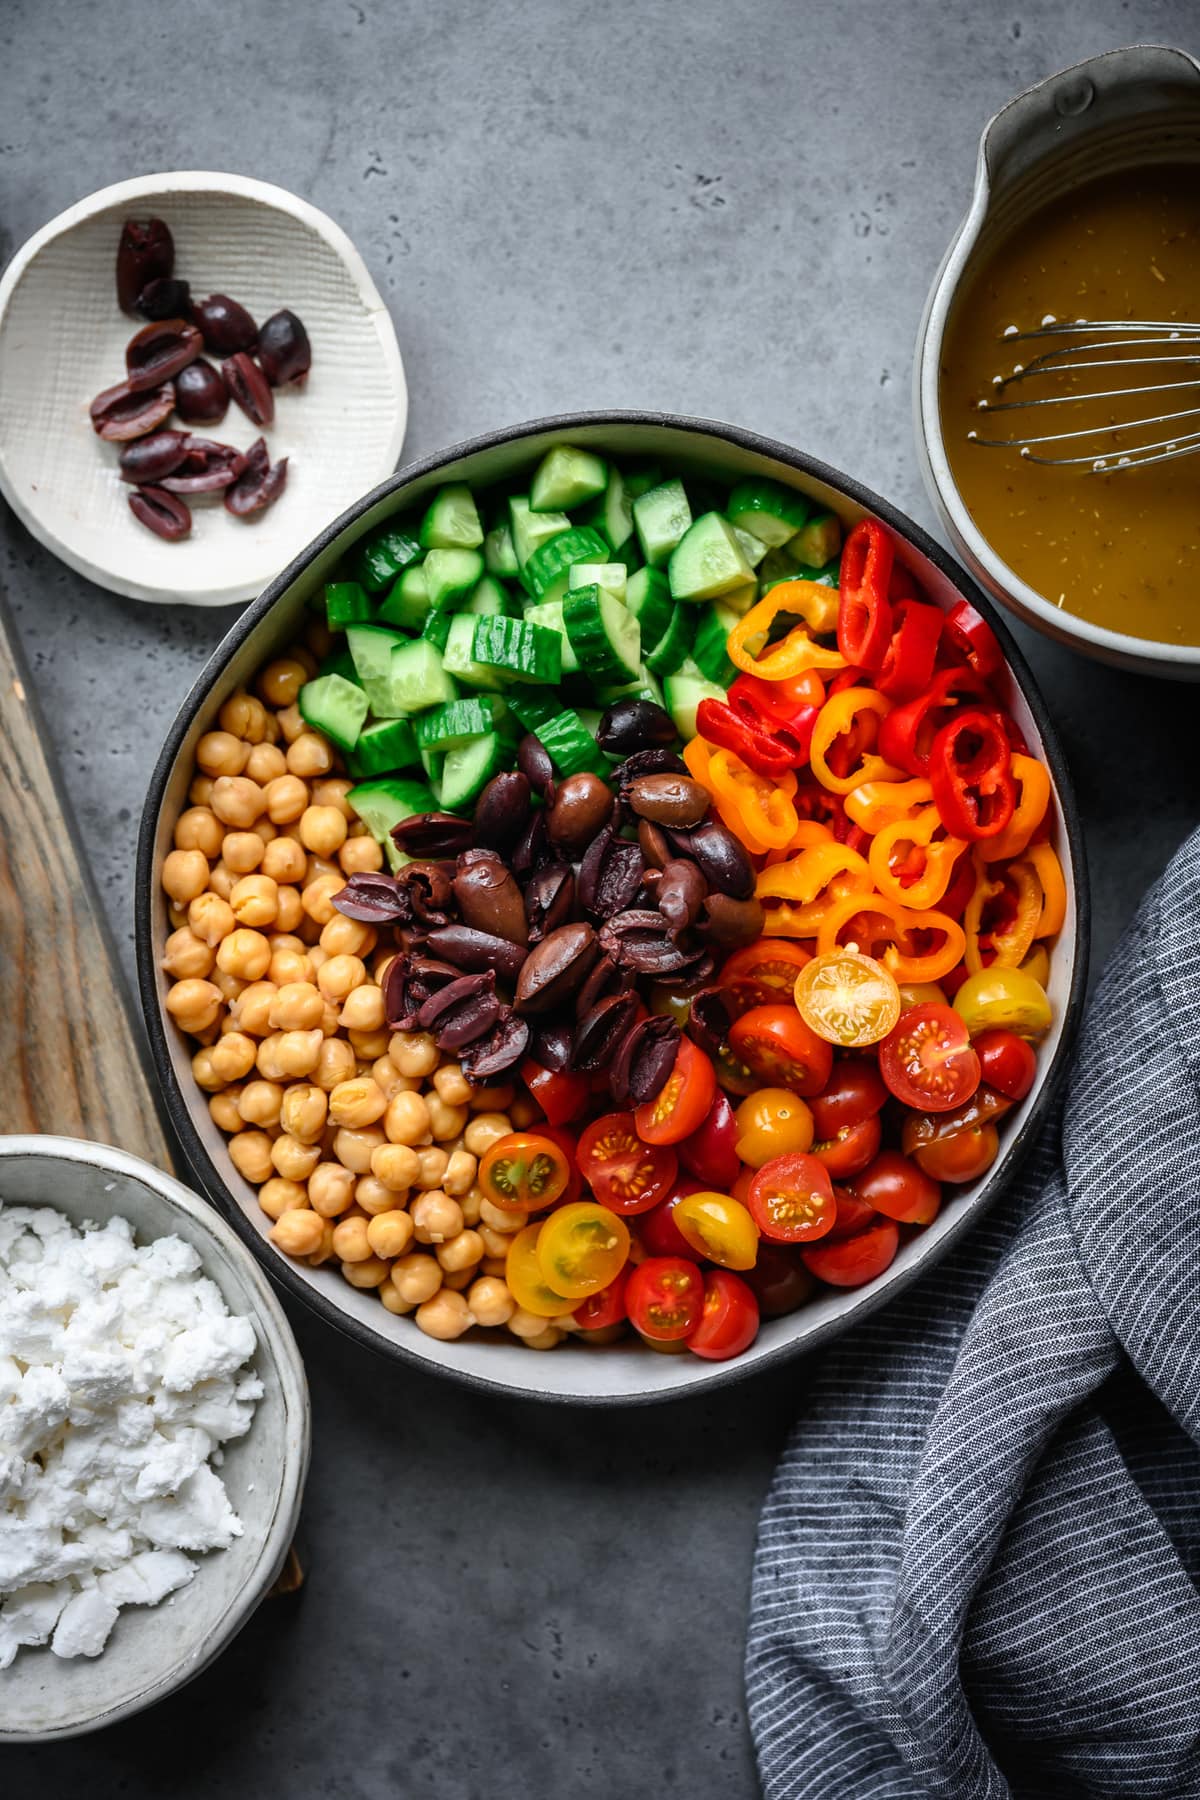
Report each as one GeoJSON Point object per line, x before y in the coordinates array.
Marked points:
{"type": "Point", "coordinates": [626, 1373]}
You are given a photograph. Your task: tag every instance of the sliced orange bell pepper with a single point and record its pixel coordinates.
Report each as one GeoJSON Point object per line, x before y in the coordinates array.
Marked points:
{"type": "Point", "coordinates": [1054, 890]}
{"type": "Point", "coordinates": [874, 804]}
{"type": "Point", "coordinates": [1033, 798]}
{"type": "Point", "coordinates": [938, 860]}
{"type": "Point", "coordinates": [758, 811]}
{"type": "Point", "coordinates": [836, 716]}
{"type": "Point", "coordinates": [798, 651]}
{"type": "Point", "coordinates": [796, 895]}
{"type": "Point", "coordinates": [888, 932]}
{"type": "Point", "coordinates": [1011, 945]}
{"type": "Point", "coordinates": [807, 835]}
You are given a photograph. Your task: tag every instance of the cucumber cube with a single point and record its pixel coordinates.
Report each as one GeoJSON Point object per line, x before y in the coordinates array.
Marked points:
{"type": "Point", "coordinates": [458, 655]}
{"type": "Point", "coordinates": [451, 573]}
{"type": "Point", "coordinates": [408, 601]}
{"type": "Point", "coordinates": [383, 746]}
{"type": "Point", "coordinates": [519, 651]}
{"type": "Point", "coordinates": [819, 541]}
{"type": "Point", "coordinates": [549, 613]}
{"type": "Point", "coordinates": [488, 597]}
{"type": "Point", "coordinates": [335, 706]}
{"type": "Point", "coordinates": [417, 679]}
{"type": "Point", "coordinates": [382, 804]}
{"type": "Point", "coordinates": [498, 554]}
{"type": "Point", "coordinates": [371, 647]}
{"type": "Point", "coordinates": [773, 513]}
{"type": "Point", "coordinates": [546, 572]}
{"type": "Point", "coordinates": [661, 516]}
{"type": "Point", "coordinates": [452, 520]}
{"type": "Point", "coordinates": [610, 578]}
{"type": "Point", "coordinates": [530, 530]}
{"type": "Point", "coordinates": [378, 561]}
{"type": "Point", "coordinates": [346, 604]}
{"type": "Point", "coordinates": [566, 477]}
{"type": "Point", "coordinates": [708, 561]}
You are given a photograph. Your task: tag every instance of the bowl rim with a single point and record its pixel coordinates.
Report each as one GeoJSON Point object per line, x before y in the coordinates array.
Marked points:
{"type": "Point", "coordinates": [178, 1110]}
{"type": "Point", "coordinates": [275, 1333]}
{"type": "Point", "coordinates": [164, 183]}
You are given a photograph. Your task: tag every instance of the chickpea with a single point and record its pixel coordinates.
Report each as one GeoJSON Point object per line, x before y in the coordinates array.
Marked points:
{"type": "Point", "coordinates": [392, 1300]}
{"type": "Point", "coordinates": [245, 717]}
{"type": "Point", "coordinates": [396, 1166]}
{"type": "Point", "coordinates": [367, 1045]}
{"type": "Point", "coordinates": [309, 755]}
{"type": "Point", "coordinates": [194, 1004]}
{"type": "Point", "coordinates": [524, 1113]}
{"type": "Point", "coordinates": [330, 1189]}
{"type": "Point", "coordinates": [432, 1161]}
{"type": "Point", "coordinates": [265, 763]}
{"type": "Point", "coordinates": [244, 953]}
{"type": "Point", "coordinates": [221, 880]}
{"type": "Point", "coordinates": [264, 829]}
{"type": "Point", "coordinates": [255, 900]}
{"type": "Point", "coordinates": [500, 1219]}
{"type": "Point", "coordinates": [452, 1085]}
{"type": "Point", "coordinates": [492, 1099]}
{"type": "Point", "coordinates": [297, 1007]}
{"type": "Point", "coordinates": [406, 1119]}
{"type": "Point", "coordinates": [237, 801]}
{"type": "Point", "coordinates": [484, 1130]}
{"type": "Point", "coordinates": [279, 1195]}
{"type": "Point", "coordinates": [289, 966]}
{"type": "Point", "coordinates": [332, 791]}
{"type": "Point", "coordinates": [495, 1244]}
{"type": "Point", "coordinates": [284, 860]}
{"type": "Point", "coordinates": [335, 1064]}
{"type": "Point", "coordinates": [223, 1110]}
{"type": "Point", "coordinates": [319, 638]}
{"type": "Point", "coordinates": [233, 1055]}
{"type": "Point", "coordinates": [390, 1233]}
{"type": "Point", "coordinates": [294, 1160]}
{"type": "Point", "coordinates": [461, 1252]}
{"type": "Point", "coordinates": [446, 1316]}
{"type": "Point", "coordinates": [310, 931]}
{"type": "Point", "coordinates": [354, 1145]}
{"type": "Point", "coordinates": [317, 897]}
{"type": "Point", "coordinates": [490, 1301]}
{"type": "Point", "coordinates": [296, 1052]}
{"type": "Point", "coordinates": [524, 1324]}
{"type": "Point", "coordinates": [416, 1277]}
{"type": "Point", "coordinates": [200, 791]}
{"type": "Point", "coordinates": [446, 1122]}
{"type": "Point", "coordinates": [221, 753]}
{"type": "Point", "coordinates": [360, 856]}
{"type": "Point", "coordinates": [470, 1202]}
{"type": "Point", "coordinates": [373, 1197]}
{"type": "Point", "coordinates": [350, 1241]}
{"type": "Point", "coordinates": [323, 830]}
{"type": "Point", "coordinates": [340, 976]}
{"type": "Point", "coordinates": [436, 1217]}
{"type": "Point", "coordinates": [356, 1103]}
{"type": "Point", "coordinates": [297, 1232]}
{"type": "Point", "coordinates": [199, 829]}
{"type": "Point", "coordinates": [204, 1073]}
{"type": "Point", "coordinates": [184, 875]}
{"type": "Point", "coordinates": [281, 681]}
{"type": "Point", "coordinates": [187, 957]}
{"type": "Point", "coordinates": [286, 799]}
{"type": "Point", "coordinates": [289, 911]}
{"type": "Point", "coordinates": [260, 1103]}
{"type": "Point", "coordinates": [211, 918]}
{"type": "Point", "coordinates": [347, 937]}
{"type": "Point", "coordinates": [304, 1111]}
{"type": "Point", "coordinates": [251, 1011]}
{"type": "Point", "coordinates": [414, 1053]}
{"type": "Point", "coordinates": [459, 1173]}
{"type": "Point", "coordinates": [548, 1339]}
{"type": "Point", "coordinates": [250, 1152]}
{"type": "Point", "coordinates": [385, 1077]}
{"type": "Point", "coordinates": [367, 1274]}
{"type": "Point", "coordinates": [380, 966]}
{"type": "Point", "coordinates": [291, 723]}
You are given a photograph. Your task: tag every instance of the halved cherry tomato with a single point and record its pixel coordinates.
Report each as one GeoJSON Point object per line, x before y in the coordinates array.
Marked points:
{"type": "Point", "coordinates": [717, 1227]}
{"type": "Point", "coordinates": [711, 1151]}
{"type": "Point", "coordinates": [854, 1092]}
{"type": "Point", "coordinates": [560, 1096]}
{"type": "Point", "coordinates": [582, 1248]}
{"type": "Point", "coordinates": [684, 1100]}
{"type": "Point", "coordinates": [791, 1200]}
{"type": "Point", "coordinates": [524, 1172]}
{"type": "Point", "coordinates": [1007, 1062]}
{"type": "Point", "coordinates": [1008, 999]}
{"type": "Point", "coordinates": [567, 1143]}
{"type": "Point", "coordinates": [853, 1261]}
{"type": "Point", "coordinates": [965, 1156]}
{"type": "Point", "coordinates": [898, 1189]}
{"type": "Point", "coordinates": [657, 1229]}
{"type": "Point", "coordinates": [780, 1281]}
{"type": "Point", "coordinates": [772, 1122]}
{"type": "Point", "coordinates": [850, 1149]}
{"type": "Point", "coordinates": [606, 1307]}
{"type": "Point", "coordinates": [526, 1282]}
{"type": "Point", "coordinates": [729, 1322]}
{"type": "Point", "coordinates": [848, 998]}
{"type": "Point", "coordinates": [853, 1215]}
{"type": "Point", "coordinates": [775, 1042]}
{"type": "Point", "coordinates": [665, 1298]}
{"type": "Point", "coordinates": [623, 1172]}
{"type": "Point", "coordinates": [927, 1061]}
{"type": "Point", "coordinates": [766, 971]}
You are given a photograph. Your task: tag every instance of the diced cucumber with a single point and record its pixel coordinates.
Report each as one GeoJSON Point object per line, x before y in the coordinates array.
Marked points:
{"type": "Point", "coordinates": [437, 627]}
{"type": "Point", "coordinates": [531, 530]}
{"type": "Point", "coordinates": [740, 600]}
{"type": "Point", "coordinates": [408, 601]}
{"type": "Point", "coordinates": [753, 549]}
{"type": "Point", "coordinates": [708, 560]}
{"type": "Point", "coordinates": [549, 613]}
{"type": "Point", "coordinates": [708, 648]}
{"type": "Point", "coordinates": [566, 477]}
{"type": "Point", "coordinates": [451, 573]}
{"type": "Point", "coordinates": [589, 717]}
{"type": "Point", "coordinates": [383, 803]}
{"type": "Point", "coordinates": [340, 662]}
{"type": "Point", "coordinates": [675, 643]}
{"type": "Point", "coordinates": [532, 707]}
{"type": "Point", "coordinates": [683, 693]}
{"type": "Point", "coordinates": [518, 651]}
{"type": "Point", "coordinates": [771, 511]}
{"type": "Point", "coordinates": [498, 554]}
{"type": "Point", "coordinates": [572, 747]}
{"type": "Point", "coordinates": [610, 578]}
{"type": "Point", "coordinates": [380, 559]}
{"type": "Point", "coordinates": [451, 520]}
{"type": "Point", "coordinates": [458, 655]}
{"type": "Point", "coordinates": [489, 598]}
{"type": "Point", "coordinates": [548, 569]}
{"type": "Point", "coordinates": [346, 604]}
{"type": "Point", "coordinates": [662, 516]}
{"type": "Point", "coordinates": [371, 647]}
{"type": "Point", "coordinates": [640, 481]}
{"type": "Point", "coordinates": [604, 635]}
{"type": "Point", "coordinates": [615, 515]}
{"type": "Point", "coordinates": [431, 761]}
{"type": "Point", "coordinates": [644, 687]}
{"type": "Point", "coordinates": [461, 722]}
{"type": "Point", "coordinates": [648, 597]}
{"type": "Point", "coordinates": [416, 679]}
{"type": "Point", "coordinates": [383, 746]}
{"type": "Point", "coordinates": [826, 577]}
{"type": "Point", "coordinates": [335, 706]}
{"type": "Point", "coordinates": [467, 771]}
{"type": "Point", "coordinates": [819, 542]}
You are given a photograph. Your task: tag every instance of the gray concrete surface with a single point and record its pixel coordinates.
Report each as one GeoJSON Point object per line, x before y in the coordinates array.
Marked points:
{"type": "Point", "coordinates": [732, 212]}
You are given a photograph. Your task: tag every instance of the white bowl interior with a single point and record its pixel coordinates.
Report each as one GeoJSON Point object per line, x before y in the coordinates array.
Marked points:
{"type": "Point", "coordinates": [154, 1650]}
{"type": "Point", "coordinates": [624, 1371]}
{"type": "Point", "coordinates": [63, 338]}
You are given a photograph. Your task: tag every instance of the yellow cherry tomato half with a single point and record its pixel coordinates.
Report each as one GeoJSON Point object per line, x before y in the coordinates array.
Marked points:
{"type": "Point", "coordinates": [719, 1228]}
{"type": "Point", "coordinates": [1003, 1000]}
{"type": "Point", "coordinates": [581, 1248]}
{"type": "Point", "coordinates": [526, 1283]}
{"type": "Point", "coordinates": [772, 1122]}
{"type": "Point", "coordinates": [847, 998]}
{"type": "Point", "coordinates": [921, 993]}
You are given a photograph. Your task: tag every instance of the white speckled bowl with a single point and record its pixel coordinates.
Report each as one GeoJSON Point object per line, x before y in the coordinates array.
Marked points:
{"type": "Point", "coordinates": [63, 338]}
{"type": "Point", "coordinates": [154, 1650]}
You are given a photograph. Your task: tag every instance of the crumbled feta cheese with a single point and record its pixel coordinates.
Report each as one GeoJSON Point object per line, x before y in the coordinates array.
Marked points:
{"type": "Point", "coordinates": [121, 1374]}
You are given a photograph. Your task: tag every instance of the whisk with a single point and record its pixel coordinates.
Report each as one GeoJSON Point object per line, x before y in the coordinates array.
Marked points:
{"type": "Point", "coordinates": [1169, 345]}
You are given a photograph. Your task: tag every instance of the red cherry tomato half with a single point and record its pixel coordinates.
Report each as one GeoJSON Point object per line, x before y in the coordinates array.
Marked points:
{"type": "Point", "coordinates": [775, 1042]}
{"type": "Point", "coordinates": [791, 1199]}
{"type": "Point", "coordinates": [854, 1092]}
{"type": "Point", "coordinates": [927, 1061]}
{"type": "Point", "coordinates": [665, 1298]}
{"type": "Point", "coordinates": [853, 1261]}
{"type": "Point", "coordinates": [898, 1189]}
{"type": "Point", "coordinates": [560, 1096]}
{"type": "Point", "coordinates": [625, 1174]}
{"type": "Point", "coordinates": [711, 1151]}
{"type": "Point", "coordinates": [729, 1322]}
{"type": "Point", "coordinates": [1008, 1063]}
{"type": "Point", "coordinates": [853, 1214]}
{"type": "Point", "coordinates": [853, 1147]}
{"type": "Point", "coordinates": [684, 1100]}
{"type": "Point", "coordinates": [779, 1279]}
{"type": "Point", "coordinates": [965, 1156]}
{"type": "Point", "coordinates": [765, 972]}
{"type": "Point", "coordinates": [605, 1307]}
{"type": "Point", "coordinates": [657, 1230]}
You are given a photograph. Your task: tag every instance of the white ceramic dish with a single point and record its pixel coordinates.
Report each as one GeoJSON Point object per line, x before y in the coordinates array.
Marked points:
{"type": "Point", "coordinates": [154, 1650]}
{"type": "Point", "coordinates": [62, 341]}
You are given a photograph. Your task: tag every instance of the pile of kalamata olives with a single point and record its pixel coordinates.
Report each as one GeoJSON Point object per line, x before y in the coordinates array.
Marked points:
{"type": "Point", "coordinates": [165, 372]}
{"type": "Point", "coordinates": [527, 929]}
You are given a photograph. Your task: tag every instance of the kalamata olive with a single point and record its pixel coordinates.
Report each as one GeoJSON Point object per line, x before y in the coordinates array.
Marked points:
{"type": "Point", "coordinates": [641, 940]}
{"type": "Point", "coordinates": [227, 327]}
{"type": "Point", "coordinates": [549, 899]}
{"type": "Point", "coordinates": [145, 253]}
{"type": "Point", "coordinates": [600, 1033]}
{"type": "Point", "coordinates": [582, 807]}
{"type": "Point", "coordinates": [249, 388]}
{"type": "Point", "coordinates": [647, 762]}
{"type": "Point", "coordinates": [631, 725]}
{"type": "Point", "coordinates": [501, 812]}
{"type": "Point", "coordinates": [433, 834]}
{"type": "Point", "coordinates": [159, 350]}
{"type": "Point", "coordinates": [553, 1045]}
{"type": "Point", "coordinates": [150, 458]}
{"type": "Point", "coordinates": [499, 1049]}
{"type": "Point", "coordinates": [164, 298]}
{"type": "Point", "coordinates": [609, 875]}
{"type": "Point", "coordinates": [710, 1018]}
{"type": "Point", "coordinates": [723, 861]}
{"type": "Point", "coordinates": [165, 514]}
{"type": "Point", "coordinates": [120, 413]}
{"type": "Point", "coordinates": [409, 982]}
{"type": "Point", "coordinates": [206, 468]}
{"type": "Point", "coordinates": [673, 800]}
{"type": "Point", "coordinates": [430, 892]}
{"type": "Point", "coordinates": [201, 397]}
{"type": "Point", "coordinates": [606, 978]}
{"type": "Point", "coordinates": [371, 898]}
{"type": "Point", "coordinates": [473, 951]}
{"type": "Point", "coordinates": [644, 1060]}
{"type": "Point", "coordinates": [488, 896]}
{"type": "Point", "coordinates": [260, 483]}
{"type": "Point", "coordinates": [655, 848]}
{"type": "Point", "coordinates": [556, 968]}
{"type": "Point", "coordinates": [533, 760]}
{"type": "Point", "coordinates": [681, 892]}
{"type": "Point", "coordinates": [283, 349]}
{"type": "Point", "coordinates": [731, 923]}
{"type": "Point", "coordinates": [461, 1011]}
{"type": "Point", "coordinates": [533, 849]}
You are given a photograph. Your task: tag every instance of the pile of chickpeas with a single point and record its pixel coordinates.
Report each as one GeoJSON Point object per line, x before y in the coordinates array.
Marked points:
{"type": "Point", "coordinates": [363, 1143]}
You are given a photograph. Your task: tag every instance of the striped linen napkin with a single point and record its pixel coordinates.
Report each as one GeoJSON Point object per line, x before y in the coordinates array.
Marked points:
{"type": "Point", "coordinates": [977, 1564]}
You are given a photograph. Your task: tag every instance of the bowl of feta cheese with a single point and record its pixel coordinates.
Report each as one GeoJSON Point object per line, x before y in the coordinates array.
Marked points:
{"type": "Point", "coordinates": [154, 1436]}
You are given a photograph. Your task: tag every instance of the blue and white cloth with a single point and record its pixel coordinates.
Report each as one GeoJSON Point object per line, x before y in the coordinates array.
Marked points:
{"type": "Point", "coordinates": [977, 1566]}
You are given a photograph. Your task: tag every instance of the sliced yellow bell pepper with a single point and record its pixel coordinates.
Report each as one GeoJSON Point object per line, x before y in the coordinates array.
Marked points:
{"type": "Point", "coordinates": [940, 858]}
{"type": "Point", "coordinates": [874, 804]}
{"type": "Point", "coordinates": [1054, 890]}
{"type": "Point", "coordinates": [758, 811]}
{"type": "Point", "coordinates": [796, 895]}
{"type": "Point", "coordinates": [1033, 798]}
{"type": "Point", "coordinates": [798, 651]}
{"type": "Point", "coordinates": [837, 716]}
{"type": "Point", "coordinates": [1011, 946]}
{"type": "Point", "coordinates": [899, 953]}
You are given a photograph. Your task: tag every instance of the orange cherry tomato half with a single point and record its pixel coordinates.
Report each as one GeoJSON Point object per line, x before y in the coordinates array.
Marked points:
{"type": "Point", "coordinates": [729, 1321]}
{"type": "Point", "coordinates": [965, 1156]}
{"type": "Point", "coordinates": [791, 1200]}
{"type": "Point", "coordinates": [766, 971]}
{"type": "Point", "coordinates": [606, 1307]}
{"type": "Point", "coordinates": [665, 1298]}
{"type": "Point", "coordinates": [927, 1061]}
{"type": "Point", "coordinates": [775, 1042]}
{"type": "Point", "coordinates": [897, 1188]}
{"type": "Point", "coordinates": [848, 998]}
{"type": "Point", "coordinates": [623, 1172]}
{"type": "Point", "coordinates": [772, 1122]}
{"type": "Point", "coordinates": [524, 1172]}
{"type": "Point", "coordinates": [683, 1102]}
{"type": "Point", "coordinates": [717, 1227]}
{"type": "Point", "coordinates": [581, 1248]}
{"type": "Point", "coordinates": [853, 1261]}
{"type": "Point", "coordinates": [850, 1149]}
{"type": "Point", "coordinates": [526, 1283]}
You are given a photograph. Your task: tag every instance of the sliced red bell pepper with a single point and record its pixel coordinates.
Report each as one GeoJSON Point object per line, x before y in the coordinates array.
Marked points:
{"type": "Point", "coordinates": [770, 753]}
{"type": "Point", "coordinates": [970, 772]}
{"type": "Point", "coordinates": [971, 635]}
{"type": "Point", "coordinates": [864, 611]}
{"type": "Point", "coordinates": [908, 665]}
{"type": "Point", "coordinates": [906, 734]}
{"type": "Point", "coordinates": [776, 706]}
